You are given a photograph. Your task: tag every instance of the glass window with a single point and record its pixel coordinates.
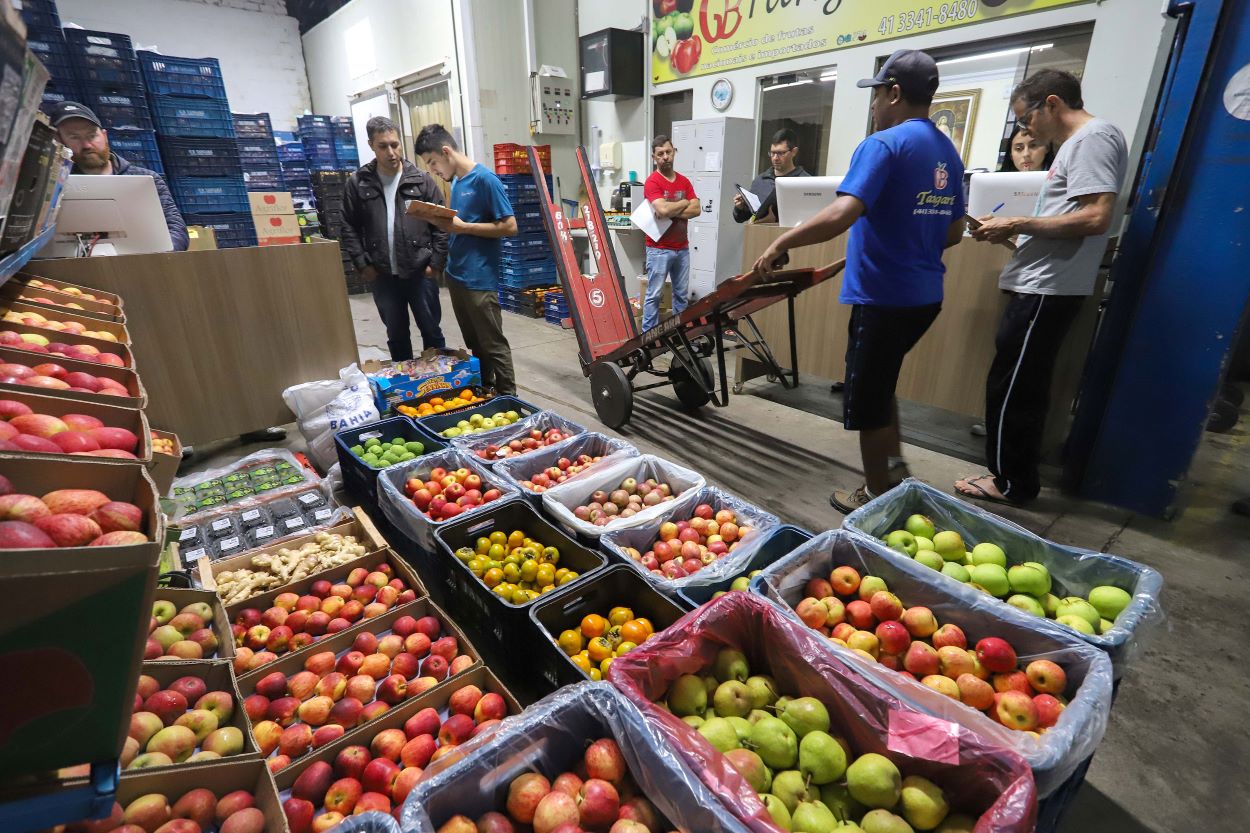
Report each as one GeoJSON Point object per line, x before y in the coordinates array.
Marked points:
{"type": "Point", "coordinates": [802, 102]}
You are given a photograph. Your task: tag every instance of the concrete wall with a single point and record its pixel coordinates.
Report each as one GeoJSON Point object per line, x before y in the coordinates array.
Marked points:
{"type": "Point", "coordinates": [257, 43]}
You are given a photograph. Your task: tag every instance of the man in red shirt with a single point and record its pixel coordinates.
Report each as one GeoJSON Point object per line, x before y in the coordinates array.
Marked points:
{"type": "Point", "coordinates": [672, 198]}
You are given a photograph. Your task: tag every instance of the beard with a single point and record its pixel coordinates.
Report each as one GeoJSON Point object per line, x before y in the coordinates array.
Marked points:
{"type": "Point", "coordinates": [90, 159]}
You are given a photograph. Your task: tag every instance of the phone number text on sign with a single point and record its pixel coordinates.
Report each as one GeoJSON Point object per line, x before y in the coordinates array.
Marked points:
{"type": "Point", "coordinates": [914, 21]}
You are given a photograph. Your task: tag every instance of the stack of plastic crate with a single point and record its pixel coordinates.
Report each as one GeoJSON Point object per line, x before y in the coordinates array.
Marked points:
{"type": "Point", "coordinates": [555, 308]}
{"type": "Point", "coordinates": [345, 151]}
{"type": "Point", "coordinates": [316, 134]}
{"type": "Point", "coordinates": [45, 39]}
{"type": "Point", "coordinates": [295, 173]}
{"type": "Point", "coordinates": [527, 257]}
{"type": "Point", "coordinates": [253, 134]}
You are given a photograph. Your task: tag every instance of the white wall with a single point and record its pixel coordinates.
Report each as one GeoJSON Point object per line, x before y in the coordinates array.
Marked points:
{"type": "Point", "coordinates": [257, 43]}
{"type": "Point", "coordinates": [627, 120]}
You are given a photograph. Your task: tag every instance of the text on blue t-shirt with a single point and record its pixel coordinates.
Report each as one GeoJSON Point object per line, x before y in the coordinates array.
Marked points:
{"type": "Point", "coordinates": [477, 197]}
{"type": "Point", "coordinates": [910, 179]}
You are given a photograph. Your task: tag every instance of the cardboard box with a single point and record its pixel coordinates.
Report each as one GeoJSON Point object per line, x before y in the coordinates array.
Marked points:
{"type": "Point", "coordinates": [50, 336]}
{"type": "Point", "coordinates": [181, 597]}
{"type": "Point", "coordinates": [263, 203]}
{"type": "Point", "coordinates": [78, 615]}
{"type": "Point", "coordinates": [396, 390]}
{"type": "Point", "coordinates": [201, 239]}
{"type": "Point", "coordinates": [666, 300]}
{"type": "Point", "coordinates": [118, 331]}
{"type": "Point", "coordinates": [113, 416]}
{"type": "Point", "coordinates": [276, 229]}
{"type": "Point", "coordinates": [222, 777]}
{"type": "Point", "coordinates": [29, 274]}
{"type": "Point", "coordinates": [137, 395]}
{"type": "Point", "coordinates": [217, 676]}
{"type": "Point", "coordinates": [26, 203]}
{"type": "Point", "coordinates": [19, 291]}
{"type": "Point", "coordinates": [164, 467]}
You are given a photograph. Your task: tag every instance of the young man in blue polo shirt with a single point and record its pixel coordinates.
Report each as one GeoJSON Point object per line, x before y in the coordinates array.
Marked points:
{"type": "Point", "coordinates": [902, 200]}
{"type": "Point", "coordinates": [484, 215]}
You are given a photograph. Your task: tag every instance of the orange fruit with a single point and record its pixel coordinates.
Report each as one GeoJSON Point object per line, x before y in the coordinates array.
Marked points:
{"type": "Point", "coordinates": [599, 649]}
{"type": "Point", "coordinates": [437, 400]}
{"type": "Point", "coordinates": [571, 642]}
{"type": "Point", "coordinates": [466, 394]}
{"type": "Point", "coordinates": [646, 623]}
{"type": "Point", "coordinates": [634, 631]}
{"type": "Point", "coordinates": [620, 615]}
{"type": "Point", "coordinates": [593, 626]}
{"type": "Point", "coordinates": [581, 661]}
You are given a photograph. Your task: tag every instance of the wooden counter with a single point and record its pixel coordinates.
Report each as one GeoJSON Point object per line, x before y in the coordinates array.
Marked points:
{"type": "Point", "coordinates": [218, 335]}
{"type": "Point", "coordinates": [947, 369]}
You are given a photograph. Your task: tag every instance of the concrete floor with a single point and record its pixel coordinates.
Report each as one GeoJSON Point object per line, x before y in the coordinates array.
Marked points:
{"type": "Point", "coordinates": [1180, 722]}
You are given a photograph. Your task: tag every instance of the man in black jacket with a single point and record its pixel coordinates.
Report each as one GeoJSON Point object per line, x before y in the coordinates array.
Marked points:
{"type": "Point", "coordinates": [782, 151]}
{"type": "Point", "coordinates": [79, 130]}
{"type": "Point", "coordinates": [400, 255]}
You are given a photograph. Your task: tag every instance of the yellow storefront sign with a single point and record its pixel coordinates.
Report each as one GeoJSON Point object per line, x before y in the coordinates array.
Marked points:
{"type": "Point", "coordinates": [690, 38]}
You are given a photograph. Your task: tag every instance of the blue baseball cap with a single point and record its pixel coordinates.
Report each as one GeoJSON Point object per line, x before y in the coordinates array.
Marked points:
{"type": "Point", "coordinates": [915, 72]}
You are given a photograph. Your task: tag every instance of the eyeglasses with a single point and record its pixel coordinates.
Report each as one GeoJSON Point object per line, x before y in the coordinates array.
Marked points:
{"type": "Point", "coordinates": [777, 154]}
{"type": "Point", "coordinates": [1026, 118]}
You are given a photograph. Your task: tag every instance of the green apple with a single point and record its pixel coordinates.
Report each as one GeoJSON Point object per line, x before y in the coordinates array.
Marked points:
{"type": "Point", "coordinates": [732, 699]}
{"type": "Point", "coordinates": [987, 553]}
{"type": "Point", "coordinates": [874, 780]}
{"type": "Point", "coordinates": [901, 540]}
{"type": "Point", "coordinates": [1027, 578]}
{"type": "Point", "coordinates": [763, 691]}
{"type": "Point", "coordinates": [1050, 604]}
{"type": "Point", "coordinates": [923, 543]}
{"type": "Point", "coordinates": [1076, 623]}
{"type": "Point", "coordinates": [930, 559]}
{"type": "Point", "coordinates": [949, 545]}
{"type": "Point", "coordinates": [956, 571]}
{"type": "Point", "coordinates": [924, 804]}
{"type": "Point", "coordinates": [993, 578]}
{"type": "Point", "coordinates": [1109, 601]}
{"type": "Point", "coordinates": [1026, 603]}
{"type": "Point", "coordinates": [1076, 606]}
{"type": "Point", "coordinates": [920, 526]}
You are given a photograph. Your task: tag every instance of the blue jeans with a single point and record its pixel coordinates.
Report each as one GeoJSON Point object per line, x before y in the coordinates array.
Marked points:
{"type": "Point", "coordinates": [665, 263]}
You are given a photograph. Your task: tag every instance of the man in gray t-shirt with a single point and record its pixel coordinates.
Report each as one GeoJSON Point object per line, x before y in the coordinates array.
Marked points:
{"type": "Point", "coordinates": [1053, 270]}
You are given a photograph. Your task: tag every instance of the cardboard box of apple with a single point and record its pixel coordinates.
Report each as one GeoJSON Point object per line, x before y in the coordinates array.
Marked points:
{"type": "Point", "coordinates": [56, 377]}
{"type": "Point", "coordinates": [184, 713]}
{"type": "Point", "coordinates": [312, 698]}
{"type": "Point", "coordinates": [35, 424]}
{"type": "Point", "coordinates": [80, 304]}
{"type": "Point", "coordinates": [376, 768]}
{"type": "Point", "coordinates": [30, 316]}
{"type": "Point", "coordinates": [42, 344]}
{"type": "Point", "coordinates": [70, 292]}
{"type": "Point", "coordinates": [66, 518]}
{"type": "Point", "coordinates": [724, 688]}
{"type": "Point", "coordinates": [186, 633]}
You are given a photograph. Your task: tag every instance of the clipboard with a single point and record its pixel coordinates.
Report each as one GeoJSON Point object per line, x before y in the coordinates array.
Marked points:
{"type": "Point", "coordinates": [429, 211]}
{"type": "Point", "coordinates": [974, 223]}
{"type": "Point", "coordinates": [753, 202]}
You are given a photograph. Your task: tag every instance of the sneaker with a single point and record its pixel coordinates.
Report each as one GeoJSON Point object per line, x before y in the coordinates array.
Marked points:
{"type": "Point", "coordinates": [847, 502]}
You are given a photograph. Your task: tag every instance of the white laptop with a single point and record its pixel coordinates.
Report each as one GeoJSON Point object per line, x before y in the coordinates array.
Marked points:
{"type": "Point", "coordinates": [1011, 194]}
{"type": "Point", "coordinates": [799, 198]}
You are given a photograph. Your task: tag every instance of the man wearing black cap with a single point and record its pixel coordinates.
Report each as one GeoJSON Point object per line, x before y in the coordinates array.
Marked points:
{"type": "Point", "coordinates": [81, 132]}
{"type": "Point", "coordinates": [902, 200]}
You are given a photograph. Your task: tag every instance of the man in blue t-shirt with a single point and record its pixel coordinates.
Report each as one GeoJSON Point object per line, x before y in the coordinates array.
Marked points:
{"type": "Point", "coordinates": [483, 216]}
{"type": "Point", "coordinates": [902, 200]}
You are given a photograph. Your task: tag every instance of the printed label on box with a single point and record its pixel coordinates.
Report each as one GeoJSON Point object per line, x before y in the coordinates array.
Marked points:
{"type": "Point", "coordinates": [322, 515]}
{"type": "Point", "coordinates": [294, 523]}
{"type": "Point", "coordinates": [250, 515]}
{"type": "Point", "coordinates": [309, 498]}
{"type": "Point", "coordinates": [229, 543]}
{"type": "Point", "coordinates": [220, 524]}
{"type": "Point", "coordinates": [264, 532]}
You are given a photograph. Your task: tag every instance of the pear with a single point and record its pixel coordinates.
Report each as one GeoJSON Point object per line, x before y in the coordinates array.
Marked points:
{"type": "Point", "coordinates": [732, 699]}
{"type": "Point", "coordinates": [775, 742]}
{"type": "Point", "coordinates": [806, 714]}
{"type": "Point", "coordinates": [687, 696]}
{"type": "Point", "coordinates": [957, 823]}
{"type": "Point", "coordinates": [755, 715]}
{"type": "Point", "coordinates": [710, 683]}
{"type": "Point", "coordinates": [838, 799]}
{"type": "Point", "coordinates": [763, 691]}
{"type": "Point", "coordinates": [780, 705]}
{"type": "Point", "coordinates": [693, 721]}
{"type": "Point", "coordinates": [751, 767]}
{"type": "Point", "coordinates": [874, 781]}
{"type": "Point", "coordinates": [777, 810]}
{"type": "Point", "coordinates": [813, 817]}
{"type": "Point", "coordinates": [821, 758]}
{"type": "Point", "coordinates": [720, 733]}
{"type": "Point", "coordinates": [883, 821]}
{"type": "Point", "coordinates": [743, 728]}
{"type": "Point", "coordinates": [791, 787]}
{"type": "Point", "coordinates": [731, 664]}
{"type": "Point", "coordinates": [924, 804]}
{"type": "Point", "coordinates": [848, 826]}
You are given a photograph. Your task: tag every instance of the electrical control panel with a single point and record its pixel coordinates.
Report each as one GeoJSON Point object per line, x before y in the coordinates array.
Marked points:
{"type": "Point", "coordinates": [557, 102]}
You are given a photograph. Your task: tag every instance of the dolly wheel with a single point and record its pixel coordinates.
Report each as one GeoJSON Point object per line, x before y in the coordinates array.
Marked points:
{"type": "Point", "coordinates": [612, 394]}
{"type": "Point", "coordinates": [689, 390]}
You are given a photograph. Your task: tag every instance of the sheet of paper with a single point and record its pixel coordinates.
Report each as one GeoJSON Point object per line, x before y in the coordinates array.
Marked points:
{"type": "Point", "coordinates": [713, 160]}
{"type": "Point", "coordinates": [644, 218]}
{"type": "Point", "coordinates": [752, 200]}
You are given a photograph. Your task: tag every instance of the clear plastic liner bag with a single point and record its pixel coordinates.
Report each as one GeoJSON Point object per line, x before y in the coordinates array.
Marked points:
{"type": "Point", "coordinates": [371, 822]}
{"type": "Point", "coordinates": [1057, 753]}
{"type": "Point", "coordinates": [591, 443]}
{"type": "Point", "coordinates": [543, 421]}
{"type": "Point", "coordinates": [247, 481]}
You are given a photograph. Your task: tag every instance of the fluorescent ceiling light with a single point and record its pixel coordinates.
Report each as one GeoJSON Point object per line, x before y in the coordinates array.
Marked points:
{"type": "Point", "coordinates": [790, 84]}
{"type": "Point", "coordinates": [1002, 53]}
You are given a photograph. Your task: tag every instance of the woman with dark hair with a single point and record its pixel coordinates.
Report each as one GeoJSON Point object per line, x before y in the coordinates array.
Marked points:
{"type": "Point", "coordinates": [1026, 153]}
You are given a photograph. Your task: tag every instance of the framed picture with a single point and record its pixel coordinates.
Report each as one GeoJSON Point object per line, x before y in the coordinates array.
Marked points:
{"type": "Point", "coordinates": [955, 114]}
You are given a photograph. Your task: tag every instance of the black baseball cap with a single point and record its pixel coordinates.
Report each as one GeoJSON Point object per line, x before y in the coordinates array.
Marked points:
{"type": "Point", "coordinates": [72, 110]}
{"type": "Point", "coordinates": [914, 71]}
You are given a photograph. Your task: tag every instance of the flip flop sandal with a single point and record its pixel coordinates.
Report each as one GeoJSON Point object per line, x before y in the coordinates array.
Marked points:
{"type": "Point", "coordinates": [980, 493]}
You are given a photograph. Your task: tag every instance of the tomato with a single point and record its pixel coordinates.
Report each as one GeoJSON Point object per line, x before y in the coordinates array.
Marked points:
{"type": "Point", "coordinates": [686, 54]}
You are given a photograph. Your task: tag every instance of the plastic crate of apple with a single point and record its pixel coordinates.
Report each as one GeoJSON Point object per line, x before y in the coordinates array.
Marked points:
{"type": "Point", "coordinates": [480, 422]}
{"type": "Point", "coordinates": [200, 809]}
{"type": "Point", "coordinates": [35, 343]}
{"type": "Point", "coordinates": [564, 468]}
{"type": "Point", "coordinates": [181, 634]}
{"type": "Point", "coordinates": [52, 376]}
{"type": "Point", "coordinates": [807, 778]}
{"type": "Point", "coordinates": [380, 774]}
{"type": "Point", "coordinates": [685, 547]}
{"type": "Point", "coordinates": [515, 448]}
{"type": "Point", "coordinates": [379, 454]}
{"type": "Point", "coordinates": [448, 493]}
{"type": "Point", "coordinates": [441, 405]}
{"type": "Point", "coordinates": [598, 640]}
{"type": "Point", "coordinates": [599, 793]}
{"type": "Point", "coordinates": [294, 622]}
{"type": "Point", "coordinates": [66, 518]}
{"type": "Point", "coordinates": [21, 429]}
{"type": "Point", "coordinates": [625, 501]}
{"type": "Point", "coordinates": [515, 567]}
{"type": "Point", "coordinates": [863, 615]}
{"type": "Point", "coordinates": [34, 319]}
{"type": "Point", "coordinates": [166, 729]}
{"type": "Point", "coordinates": [1025, 586]}
{"type": "Point", "coordinates": [334, 694]}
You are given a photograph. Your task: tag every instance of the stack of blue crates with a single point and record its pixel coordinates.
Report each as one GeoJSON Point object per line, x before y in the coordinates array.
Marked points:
{"type": "Point", "coordinates": [555, 308]}
{"type": "Point", "coordinates": [195, 133]}
{"type": "Point", "coordinates": [527, 257]}
{"type": "Point", "coordinates": [345, 152]}
{"type": "Point", "coordinates": [109, 80]}
{"type": "Point", "coordinates": [259, 155]}
{"type": "Point", "coordinates": [45, 39]}
{"type": "Point", "coordinates": [316, 134]}
{"type": "Point", "coordinates": [295, 172]}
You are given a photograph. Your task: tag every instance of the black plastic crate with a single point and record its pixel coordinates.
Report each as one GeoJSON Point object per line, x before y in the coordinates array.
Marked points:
{"type": "Point", "coordinates": [778, 542]}
{"type": "Point", "coordinates": [438, 423]}
{"type": "Point", "coordinates": [616, 586]}
{"type": "Point", "coordinates": [40, 14]}
{"type": "Point", "coordinates": [256, 151]}
{"type": "Point", "coordinates": [103, 57]}
{"type": "Point", "coordinates": [59, 90]}
{"type": "Point", "coordinates": [139, 148]}
{"type": "Point", "coordinates": [497, 618]}
{"type": "Point", "coordinates": [200, 157]}
{"type": "Point", "coordinates": [264, 180]}
{"type": "Point", "coordinates": [360, 480]}
{"type": "Point", "coordinates": [314, 121]}
{"type": "Point", "coordinates": [208, 195]}
{"type": "Point", "coordinates": [118, 108]}
{"type": "Point", "coordinates": [49, 47]}
{"type": "Point", "coordinates": [192, 118]}
{"type": "Point", "coordinates": [167, 75]}
{"type": "Point", "coordinates": [232, 230]}
{"type": "Point", "coordinates": [253, 126]}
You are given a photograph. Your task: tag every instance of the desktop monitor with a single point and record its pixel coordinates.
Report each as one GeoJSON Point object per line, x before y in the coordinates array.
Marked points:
{"type": "Point", "coordinates": [124, 211]}
{"type": "Point", "coordinates": [1012, 194]}
{"type": "Point", "coordinates": [799, 198]}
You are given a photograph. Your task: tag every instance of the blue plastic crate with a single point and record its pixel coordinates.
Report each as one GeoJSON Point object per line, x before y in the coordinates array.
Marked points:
{"type": "Point", "coordinates": [40, 14]}
{"type": "Point", "coordinates": [60, 90]}
{"type": "Point", "coordinates": [195, 118]}
{"type": "Point", "coordinates": [118, 108]}
{"type": "Point", "coordinates": [313, 121]}
{"type": "Point", "coordinates": [103, 57]}
{"type": "Point", "coordinates": [138, 147]}
{"type": "Point", "coordinates": [232, 230]}
{"type": "Point", "coordinates": [253, 126]}
{"type": "Point", "coordinates": [264, 180]}
{"type": "Point", "coordinates": [207, 195]}
{"type": "Point", "coordinates": [201, 157]}
{"type": "Point", "coordinates": [196, 77]}
{"type": "Point", "coordinates": [292, 152]}
{"type": "Point", "coordinates": [49, 47]}
{"type": "Point", "coordinates": [526, 268]}
{"type": "Point", "coordinates": [257, 152]}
